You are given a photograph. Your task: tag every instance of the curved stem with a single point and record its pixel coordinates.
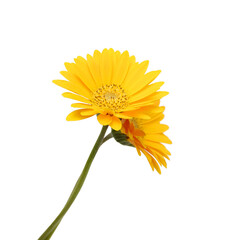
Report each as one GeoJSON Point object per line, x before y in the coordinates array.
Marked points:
{"type": "Point", "coordinates": [109, 136]}
{"type": "Point", "coordinates": [50, 230]}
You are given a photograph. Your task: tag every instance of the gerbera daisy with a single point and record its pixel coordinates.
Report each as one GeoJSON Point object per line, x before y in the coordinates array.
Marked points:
{"type": "Point", "coordinates": [147, 137]}
{"type": "Point", "coordinates": [112, 85]}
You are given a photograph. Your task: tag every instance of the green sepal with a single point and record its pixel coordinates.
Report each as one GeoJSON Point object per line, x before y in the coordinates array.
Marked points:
{"type": "Point", "coordinates": [121, 138]}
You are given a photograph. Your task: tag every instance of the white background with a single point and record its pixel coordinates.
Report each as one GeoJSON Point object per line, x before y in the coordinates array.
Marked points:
{"type": "Point", "coordinates": [195, 44]}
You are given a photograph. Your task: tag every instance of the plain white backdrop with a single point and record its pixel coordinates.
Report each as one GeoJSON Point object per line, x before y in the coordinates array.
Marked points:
{"type": "Point", "coordinates": [195, 44]}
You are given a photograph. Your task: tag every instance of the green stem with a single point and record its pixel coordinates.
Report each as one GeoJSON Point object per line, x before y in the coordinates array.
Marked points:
{"type": "Point", "coordinates": [109, 136]}
{"type": "Point", "coordinates": [50, 230]}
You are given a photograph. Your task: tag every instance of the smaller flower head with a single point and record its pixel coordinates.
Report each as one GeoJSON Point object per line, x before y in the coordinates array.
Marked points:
{"type": "Point", "coordinates": [147, 137]}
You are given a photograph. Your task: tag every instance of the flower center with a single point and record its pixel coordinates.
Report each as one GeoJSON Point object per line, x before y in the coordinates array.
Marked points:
{"type": "Point", "coordinates": [110, 97]}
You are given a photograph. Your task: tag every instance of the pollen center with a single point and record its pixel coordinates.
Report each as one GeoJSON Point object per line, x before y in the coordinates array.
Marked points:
{"type": "Point", "coordinates": [110, 97]}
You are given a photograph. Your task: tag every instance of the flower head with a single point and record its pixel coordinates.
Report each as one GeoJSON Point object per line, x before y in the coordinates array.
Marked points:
{"type": "Point", "coordinates": [147, 137]}
{"type": "Point", "coordinates": [112, 85]}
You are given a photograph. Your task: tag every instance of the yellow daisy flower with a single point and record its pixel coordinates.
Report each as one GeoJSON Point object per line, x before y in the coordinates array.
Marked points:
{"type": "Point", "coordinates": [112, 85]}
{"type": "Point", "coordinates": [147, 137]}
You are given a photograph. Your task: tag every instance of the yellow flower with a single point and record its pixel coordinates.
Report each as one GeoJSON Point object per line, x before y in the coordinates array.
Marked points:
{"type": "Point", "coordinates": [112, 85]}
{"type": "Point", "coordinates": [147, 136]}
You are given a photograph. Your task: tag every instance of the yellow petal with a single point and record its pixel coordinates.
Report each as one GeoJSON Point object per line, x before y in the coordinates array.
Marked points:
{"type": "Point", "coordinates": [81, 105]}
{"type": "Point", "coordinates": [76, 115]}
{"type": "Point", "coordinates": [146, 91]}
{"type": "Point", "coordinates": [161, 160]}
{"type": "Point", "coordinates": [97, 56]}
{"type": "Point", "coordinates": [138, 149]}
{"type": "Point", "coordinates": [75, 71]}
{"type": "Point", "coordinates": [135, 72]}
{"type": "Point", "coordinates": [149, 157]}
{"type": "Point", "coordinates": [156, 166]}
{"type": "Point", "coordinates": [156, 109]}
{"type": "Point", "coordinates": [87, 112]}
{"type": "Point", "coordinates": [72, 78]}
{"type": "Point", "coordinates": [151, 99]}
{"type": "Point", "coordinates": [160, 128]}
{"type": "Point", "coordinates": [153, 124]}
{"type": "Point", "coordinates": [73, 87]}
{"type": "Point", "coordinates": [122, 115]}
{"type": "Point", "coordinates": [157, 146]}
{"type": "Point", "coordinates": [104, 119]}
{"type": "Point", "coordinates": [137, 114]}
{"type": "Point", "coordinates": [94, 69]}
{"type": "Point", "coordinates": [160, 153]}
{"type": "Point", "coordinates": [106, 63]}
{"type": "Point", "coordinates": [82, 70]}
{"type": "Point", "coordinates": [158, 138]}
{"type": "Point", "coordinates": [116, 124]}
{"type": "Point", "coordinates": [143, 81]}
{"type": "Point", "coordinates": [152, 109]}
{"type": "Point", "coordinates": [138, 106]}
{"type": "Point", "coordinates": [75, 97]}
{"type": "Point", "coordinates": [121, 68]}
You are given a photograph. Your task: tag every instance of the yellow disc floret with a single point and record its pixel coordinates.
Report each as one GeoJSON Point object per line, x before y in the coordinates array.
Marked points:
{"type": "Point", "coordinates": [111, 97]}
